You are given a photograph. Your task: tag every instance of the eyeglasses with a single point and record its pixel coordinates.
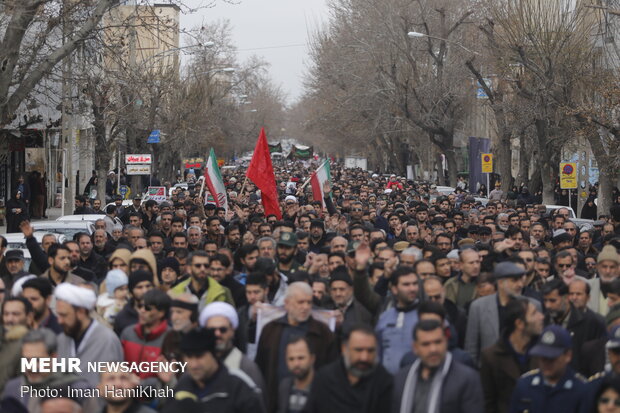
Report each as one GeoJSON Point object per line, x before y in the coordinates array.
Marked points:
{"type": "Point", "coordinates": [565, 265]}
{"type": "Point", "coordinates": [356, 209]}
{"type": "Point", "coordinates": [203, 265]}
{"type": "Point", "coordinates": [221, 330]}
{"type": "Point", "coordinates": [607, 400]}
{"type": "Point", "coordinates": [146, 307]}
{"type": "Point", "coordinates": [434, 297]}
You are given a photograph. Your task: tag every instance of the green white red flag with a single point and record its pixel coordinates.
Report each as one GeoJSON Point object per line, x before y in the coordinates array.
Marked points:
{"type": "Point", "coordinates": [215, 183]}
{"type": "Point", "coordinates": [318, 178]}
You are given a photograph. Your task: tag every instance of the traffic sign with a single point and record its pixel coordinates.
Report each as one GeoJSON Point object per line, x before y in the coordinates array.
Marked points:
{"type": "Point", "coordinates": [124, 190]}
{"type": "Point", "coordinates": [487, 163]}
{"type": "Point", "coordinates": [568, 175]}
{"type": "Point", "coordinates": [154, 137]}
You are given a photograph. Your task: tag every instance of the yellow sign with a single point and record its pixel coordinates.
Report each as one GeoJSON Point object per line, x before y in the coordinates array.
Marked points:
{"type": "Point", "coordinates": [568, 175]}
{"type": "Point", "coordinates": [487, 163]}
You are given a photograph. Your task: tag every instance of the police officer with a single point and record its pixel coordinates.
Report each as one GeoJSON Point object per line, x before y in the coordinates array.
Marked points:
{"type": "Point", "coordinates": [555, 386]}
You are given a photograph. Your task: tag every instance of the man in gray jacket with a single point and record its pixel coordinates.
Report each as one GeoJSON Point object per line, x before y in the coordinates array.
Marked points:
{"type": "Point", "coordinates": [436, 383]}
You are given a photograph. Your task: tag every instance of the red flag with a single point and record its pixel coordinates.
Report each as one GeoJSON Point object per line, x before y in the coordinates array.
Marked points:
{"type": "Point", "coordinates": [261, 173]}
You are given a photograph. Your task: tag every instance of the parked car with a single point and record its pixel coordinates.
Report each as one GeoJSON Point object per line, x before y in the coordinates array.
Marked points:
{"type": "Point", "coordinates": [580, 222]}
{"type": "Point", "coordinates": [66, 228]}
{"type": "Point", "coordinates": [86, 217]}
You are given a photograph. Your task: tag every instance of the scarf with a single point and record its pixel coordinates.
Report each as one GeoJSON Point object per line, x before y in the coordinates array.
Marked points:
{"type": "Point", "coordinates": [411, 382]}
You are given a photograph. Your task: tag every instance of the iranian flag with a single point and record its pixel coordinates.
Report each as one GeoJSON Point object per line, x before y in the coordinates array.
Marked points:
{"type": "Point", "coordinates": [215, 183]}
{"type": "Point", "coordinates": [318, 178]}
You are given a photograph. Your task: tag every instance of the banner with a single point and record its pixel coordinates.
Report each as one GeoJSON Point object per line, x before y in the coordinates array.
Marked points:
{"type": "Point", "coordinates": [277, 147]}
{"type": "Point", "coordinates": [301, 152]}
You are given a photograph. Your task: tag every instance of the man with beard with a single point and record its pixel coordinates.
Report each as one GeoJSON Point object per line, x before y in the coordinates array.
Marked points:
{"type": "Point", "coordinates": [286, 249]}
{"type": "Point", "coordinates": [16, 320]}
{"type": "Point", "coordinates": [200, 284]}
{"type": "Point", "coordinates": [37, 344]}
{"type": "Point", "coordinates": [294, 390]}
{"type": "Point", "coordinates": [39, 292]}
{"type": "Point", "coordinates": [221, 271]}
{"type": "Point", "coordinates": [83, 337]}
{"type": "Point", "coordinates": [222, 319]}
{"type": "Point", "coordinates": [208, 382]}
{"type": "Point", "coordinates": [396, 324]}
{"type": "Point", "coordinates": [15, 267]}
{"type": "Point", "coordinates": [583, 327]}
{"type": "Point", "coordinates": [436, 382]}
{"type": "Point", "coordinates": [256, 290]}
{"type": "Point", "coordinates": [271, 353]}
{"type": "Point", "coordinates": [248, 254]}
{"type": "Point", "coordinates": [606, 271]}
{"type": "Point", "coordinates": [183, 312]}
{"type": "Point", "coordinates": [317, 236]}
{"type": "Point", "coordinates": [59, 261]}
{"type": "Point", "coordinates": [90, 259]}
{"type": "Point", "coordinates": [119, 401]}
{"type": "Point", "coordinates": [233, 237]}
{"type": "Point", "coordinates": [356, 382]}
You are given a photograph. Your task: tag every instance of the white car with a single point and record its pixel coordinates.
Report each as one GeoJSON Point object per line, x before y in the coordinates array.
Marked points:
{"type": "Point", "coordinates": [584, 224]}
{"type": "Point", "coordinates": [17, 240]}
{"type": "Point", "coordinates": [85, 218]}
{"type": "Point", "coordinates": [67, 228]}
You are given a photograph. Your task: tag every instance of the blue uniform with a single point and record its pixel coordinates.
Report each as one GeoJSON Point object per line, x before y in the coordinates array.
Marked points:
{"type": "Point", "coordinates": [533, 395]}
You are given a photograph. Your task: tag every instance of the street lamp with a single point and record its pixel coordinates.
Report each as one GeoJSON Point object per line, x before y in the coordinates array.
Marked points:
{"type": "Point", "coordinates": [417, 35]}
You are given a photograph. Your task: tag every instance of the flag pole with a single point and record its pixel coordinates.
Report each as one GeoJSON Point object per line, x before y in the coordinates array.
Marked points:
{"type": "Point", "coordinates": [300, 190]}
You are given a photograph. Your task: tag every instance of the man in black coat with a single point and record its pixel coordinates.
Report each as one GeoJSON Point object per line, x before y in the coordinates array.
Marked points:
{"type": "Point", "coordinates": [583, 326]}
{"type": "Point", "coordinates": [436, 383]}
{"type": "Point", "coordinates": [209, 383]}
{"type": "Point", "coordinates": [356, 382]}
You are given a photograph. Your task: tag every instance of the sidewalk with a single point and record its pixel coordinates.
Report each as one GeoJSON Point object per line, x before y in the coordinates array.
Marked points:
{"type": "Point", "coordinates": [52, 214]}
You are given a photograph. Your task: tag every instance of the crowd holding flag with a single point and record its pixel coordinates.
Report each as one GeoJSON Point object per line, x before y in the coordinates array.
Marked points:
{"type": "Point", "coordinates": [261, 173]}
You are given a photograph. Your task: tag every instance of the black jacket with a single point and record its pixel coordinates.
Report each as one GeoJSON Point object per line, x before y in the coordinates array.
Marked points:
{"type": "Point", "coordinates": [126, 317]}
{"type": "Point", "coordinates": [97, 264]}
{"type": "Point", "coordinates": [583, 327]}
{"type": "Point", "coordinates": [223, 393]}
{"type": "Point", "coordinates": [332, 392]}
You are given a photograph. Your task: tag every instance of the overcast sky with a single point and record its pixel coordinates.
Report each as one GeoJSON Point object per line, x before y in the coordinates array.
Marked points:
{"type": "Point", "coordinates": [265, 28]}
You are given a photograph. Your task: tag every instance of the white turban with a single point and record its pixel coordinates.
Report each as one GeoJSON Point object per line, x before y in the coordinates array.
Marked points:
{"type": "Point", "coordinates": [76, 296]}
{"type": "Point", "coordinates": [219, 309]}
{"type": "Point", "coordinates": [17, 286]}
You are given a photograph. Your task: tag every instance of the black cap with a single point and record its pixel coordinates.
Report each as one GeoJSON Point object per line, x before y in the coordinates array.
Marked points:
{"type": "Point", "coordinates": [14, 255]}
{"type": "Point", "coordinates": [137, 277]}
{"type": "Point", "coordinates": [198, 341]}
{"type": "Point", "coordinates": [265, 265]}
{"type": "Point", "coordinates": [317, 223]}
{"type": "Point", "coordinates": [340, 273]}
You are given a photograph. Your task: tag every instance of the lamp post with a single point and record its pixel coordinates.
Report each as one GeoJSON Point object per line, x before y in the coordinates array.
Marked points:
{"type": "Point", "coordinates": [417, 35]}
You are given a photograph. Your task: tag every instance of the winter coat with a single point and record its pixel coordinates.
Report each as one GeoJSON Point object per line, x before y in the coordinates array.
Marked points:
{"type": "Point", "coordinates": [14, 218]}
{"type": "Point", "coordinates": [139, 347]}
{"type": "Point", "coordinates": [10, 351]}
{"type": "Point", "coordinates": [331, 391]}
{"type": "Point", "coordinates": [395, 339]}
{"type": "Point", "coordinates": [267, 356]}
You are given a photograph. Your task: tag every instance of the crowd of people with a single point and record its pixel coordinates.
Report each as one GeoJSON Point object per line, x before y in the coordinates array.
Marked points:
{"type": "Point", "coordinates": [384, 296]}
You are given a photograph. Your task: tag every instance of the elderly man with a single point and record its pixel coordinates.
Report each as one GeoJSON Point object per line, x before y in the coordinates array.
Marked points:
{"type": "Point", "coordinates": [606, 271]}
{"type": "Point", "coordinates": [83, 336]}
{"type": "Point", "coordinates": [356, 382]}
{"type": "Point", "coordinates": [484, 323]}
{"type": "Point", "coordinates": [349, 311]}
{"type": "Point", "coordinates": [271, 354]}
{"type": "Point", "coordinates": [15, 267]}
{"type": "Point", "coordinates": [17, 317]}
{"type": "Point", "coordinates": [222, 319]}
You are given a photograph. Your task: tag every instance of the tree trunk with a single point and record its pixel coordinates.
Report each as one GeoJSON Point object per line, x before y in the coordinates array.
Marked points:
{"type": "Point", "coordinates": [504, 155]}
{"type": "Point", "coordinates": [452, 166]}
{"type": "Point", "coordinates": [607, 181]}
{"type": "Point", "coordinates": [548, 175]}
{"type": "Point", "coordinates": [524, 166]}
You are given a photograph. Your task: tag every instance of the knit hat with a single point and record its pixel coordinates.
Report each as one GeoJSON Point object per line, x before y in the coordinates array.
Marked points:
{"type": "Point", "coordinates": [221, 309]}
{"type": "Point", "coordinates": [137, 277]}
{"type": "Point", "coordinates": [608, 253]}
{"type": "Point", "coordinates": [115, 279]}
{"type": "Point", "coordinates": [170, 262]}
{"type": "Point", "coordinates": [197, 341]}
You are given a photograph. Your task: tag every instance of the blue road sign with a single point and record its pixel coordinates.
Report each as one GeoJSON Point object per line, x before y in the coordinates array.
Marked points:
{"type": "Point", "coordinates": [154, 137]}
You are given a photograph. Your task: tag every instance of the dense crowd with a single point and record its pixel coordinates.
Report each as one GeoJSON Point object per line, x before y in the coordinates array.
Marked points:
{"type": "Point", "coordinates": [383, 296]}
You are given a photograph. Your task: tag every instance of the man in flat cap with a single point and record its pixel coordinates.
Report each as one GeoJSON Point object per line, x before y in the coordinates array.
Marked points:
{"type": "Point", "coordinates": [15, 267]}
{"type": "Point", "coordinates": [486, 313]}
{"type": "Point", "coordinates": [83, 336]}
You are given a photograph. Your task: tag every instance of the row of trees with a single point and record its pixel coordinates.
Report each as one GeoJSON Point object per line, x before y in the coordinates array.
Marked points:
{"type": "Point", "coordinates": [548, 69]}
{"type": "Point", "coordinates": [83, 58]}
